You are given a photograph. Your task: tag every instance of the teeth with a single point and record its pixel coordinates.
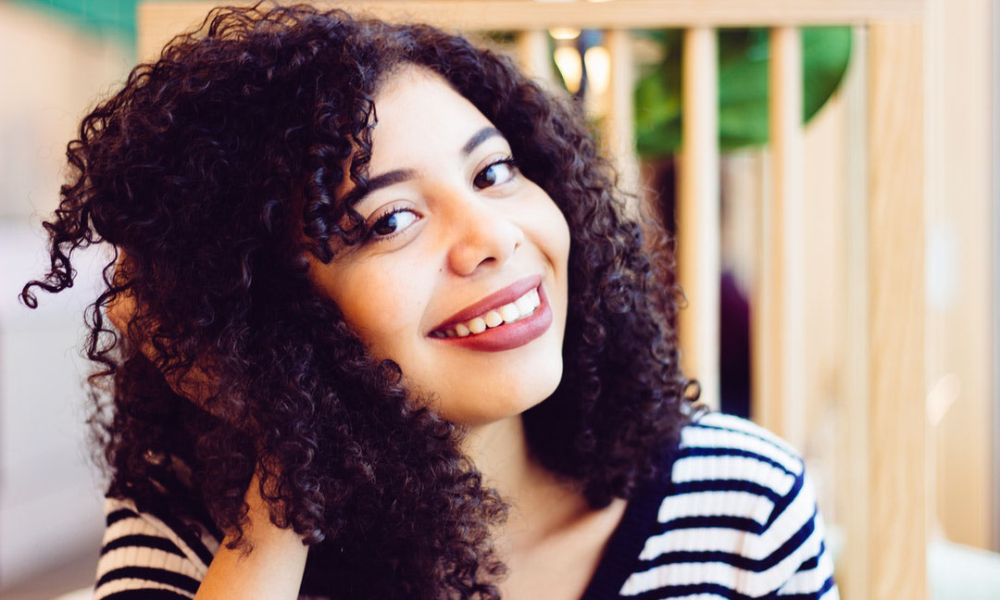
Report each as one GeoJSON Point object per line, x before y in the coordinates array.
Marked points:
{"type": "Point", "coordinates": [477, 325]}
{"type": "Point", "coordinates": [508, 313]}
{"type": "Point", "coordinates": [493, 318]}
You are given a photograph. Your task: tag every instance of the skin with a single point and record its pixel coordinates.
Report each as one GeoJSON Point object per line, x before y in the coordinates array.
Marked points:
{"type": "Point", "coordinates": [459, 239]}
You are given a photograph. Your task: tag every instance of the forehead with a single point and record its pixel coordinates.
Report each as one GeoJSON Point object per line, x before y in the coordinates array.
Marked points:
{"type": "Point", "coordinates": [419, 113]}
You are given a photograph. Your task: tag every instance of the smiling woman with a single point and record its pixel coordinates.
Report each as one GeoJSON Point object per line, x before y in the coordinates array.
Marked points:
{"type": "Point", "coordinates": [383, 332]}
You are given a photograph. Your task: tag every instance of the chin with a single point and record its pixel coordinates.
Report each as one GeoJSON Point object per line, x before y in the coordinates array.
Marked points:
{"type": "Point", "coordinates": [513, 401]}
{"type": "Point", "coordinates": [525, 398]}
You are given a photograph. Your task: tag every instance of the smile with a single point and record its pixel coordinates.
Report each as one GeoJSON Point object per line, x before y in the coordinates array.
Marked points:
{"type": "Point", "coordinates": [519, 309]}
{"type": "Point", "coordinates": [503, 328]}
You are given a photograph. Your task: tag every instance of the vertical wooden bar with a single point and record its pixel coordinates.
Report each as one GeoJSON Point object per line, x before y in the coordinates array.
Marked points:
{"type": "Point", "coordinates": [897, 470]}
{"type": "Point", "coordinates": [935, 189]}
{"type": "Point", "coordinates": [698, 212]}
{"type": "Point", "coordinates": [619, 129]}
{"type": "Point", "coordinates": [958, 276]}
{"type": "Point", "coordinates": [994, 61]}
{"type": "Point", "coordinates": [533, 54]}
{"type": "Point", "coordinates": [781, 366]}
{"type": "Point", "coordinates": [855, 434]}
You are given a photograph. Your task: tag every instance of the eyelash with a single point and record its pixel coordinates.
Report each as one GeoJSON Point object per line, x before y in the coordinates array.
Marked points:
{"type": "Point", "coordinates": [507, 160]}
{"type": "Point", "coordinates": [370, 238]}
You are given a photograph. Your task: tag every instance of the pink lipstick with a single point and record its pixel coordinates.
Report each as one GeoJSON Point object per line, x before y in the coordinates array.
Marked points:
{"type": "Point", "coordinates": [508, 335]}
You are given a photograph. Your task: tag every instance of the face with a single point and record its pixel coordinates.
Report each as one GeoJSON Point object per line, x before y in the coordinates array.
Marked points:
{"type": "Point", "coordinates": [463, 278]}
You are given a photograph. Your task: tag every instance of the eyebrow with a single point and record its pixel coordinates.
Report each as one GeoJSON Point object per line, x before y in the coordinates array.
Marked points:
{"type": "Point", "coordinates": [478, 138]}
{"type": "Point", "coordinates": [353, 198]}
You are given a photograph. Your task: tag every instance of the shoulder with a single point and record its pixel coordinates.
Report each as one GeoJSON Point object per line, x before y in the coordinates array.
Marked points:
{"type": "Point", "coordinates": [715, 429]}
{"type": "Point", "coordinates": [735, 474]}
{"type": "Point", "coordinates": [728, 454]}
{"type": "Point", "coordinates": [154, 554]}
{"type": "Point", "coordinates": [741, 499]}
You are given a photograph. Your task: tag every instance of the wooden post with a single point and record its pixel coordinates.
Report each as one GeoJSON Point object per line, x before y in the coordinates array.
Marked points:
{"type": "Point", "coordinates": [533, 55]}
{"type": "Point", "coordinates": [897, 520]}
{"type": "Point", "coordinates": [854, 431]}
{"type": "Point", "coordinates": [958, 344]}
{"type": "Point", "coordinates": [619, 123]}
{"type": "Point", "coordinates": [698, 228]}
{"type": "Point", "coordinates": [779, 319]}
{"type": "Point", "coordinates": [995, 271]}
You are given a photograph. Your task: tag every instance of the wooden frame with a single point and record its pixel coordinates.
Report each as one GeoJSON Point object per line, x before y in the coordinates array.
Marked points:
{"type": "Point", "coordinates": [778, 330]}
{"type": "Point", "coordinates": [698, 254]}
{"type": "Point", "coordinates": [897, 519]}
{"type": "Point", "coordinates": [886, 535]}
{"type": "Point", "coordinates": [995, 199]}
{"type": "Point", "coordinates": [158, 21]}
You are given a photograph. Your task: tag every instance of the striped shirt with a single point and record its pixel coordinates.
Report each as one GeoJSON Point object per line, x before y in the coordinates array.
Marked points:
{"type": "Point", "coordinates": [736, 519]}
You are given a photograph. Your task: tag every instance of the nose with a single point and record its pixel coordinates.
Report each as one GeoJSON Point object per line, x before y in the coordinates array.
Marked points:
{"type": "Point", "coordinates": [482, 234]}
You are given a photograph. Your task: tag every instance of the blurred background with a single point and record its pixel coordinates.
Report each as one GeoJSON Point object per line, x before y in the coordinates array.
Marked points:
{"type": "Point", "coordinates": [831, 176]}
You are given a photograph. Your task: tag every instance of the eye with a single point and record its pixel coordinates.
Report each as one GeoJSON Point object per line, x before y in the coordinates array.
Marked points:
{"type": "Point", "coordinates": [390, 224]}
{"type": "Point", "coordinates": [496, 173]}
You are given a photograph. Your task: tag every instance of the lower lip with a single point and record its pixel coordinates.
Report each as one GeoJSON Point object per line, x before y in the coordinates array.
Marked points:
{"type": "Point", "coordinates": [510, 335]}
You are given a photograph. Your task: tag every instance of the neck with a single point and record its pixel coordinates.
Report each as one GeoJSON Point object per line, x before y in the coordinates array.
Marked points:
{"type": "Point", "coordinates": [540, 502]}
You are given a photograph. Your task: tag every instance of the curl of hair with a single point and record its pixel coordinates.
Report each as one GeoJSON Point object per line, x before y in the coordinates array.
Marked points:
{"type": "Point", "coordinates": [208, 169]}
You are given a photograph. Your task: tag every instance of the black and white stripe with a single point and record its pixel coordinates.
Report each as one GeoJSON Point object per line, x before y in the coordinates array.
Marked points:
{"type": "Point", "coordinates": [150, 557]}
{"type": "Point", "coordinates": [738, 520]}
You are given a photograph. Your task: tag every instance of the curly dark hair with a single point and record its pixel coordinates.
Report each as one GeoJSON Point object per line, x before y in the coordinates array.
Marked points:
{"type": "Point", "coordinates": [212, 173]}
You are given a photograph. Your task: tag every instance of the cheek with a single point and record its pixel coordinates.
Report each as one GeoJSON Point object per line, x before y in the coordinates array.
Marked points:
{"type": "Point", "coordinates": [549, 226]}
{"type": "Point", "coordinates": [382, 305]}
{"type": "Point", "coordinates": [564, 237]}
{"type": "Point", "coordinates": [556, 234]}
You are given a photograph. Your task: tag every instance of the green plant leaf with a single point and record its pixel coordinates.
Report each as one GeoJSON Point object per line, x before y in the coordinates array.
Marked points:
{"type": "Point", "coordinates": [743, 85]}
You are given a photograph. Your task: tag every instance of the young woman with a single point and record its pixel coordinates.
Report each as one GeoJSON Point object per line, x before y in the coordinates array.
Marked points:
{"type": "Point", "coordinates": [385, 333]}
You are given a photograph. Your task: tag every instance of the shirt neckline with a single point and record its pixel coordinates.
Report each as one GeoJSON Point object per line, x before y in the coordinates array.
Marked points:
{"type": "Point", "coordinates": [627, 540]}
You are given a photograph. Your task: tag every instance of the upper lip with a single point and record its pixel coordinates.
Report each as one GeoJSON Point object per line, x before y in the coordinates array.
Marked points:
{"type": "Point", "coordinates": [498, 298]}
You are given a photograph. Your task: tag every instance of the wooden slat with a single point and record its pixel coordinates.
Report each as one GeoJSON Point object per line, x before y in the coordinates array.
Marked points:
{"type": "Point", "coordinates": [619, 123]}
{"type": "Point", "coordinates": [995, 275]}
{"type": "Point", "coordinates": [158, 22]}
{"type": "Point", "coordinates": [534, 56]}
{"type": "Point", "coordinates": [698, 227]}
{"type": "Point", "coordinates": [853, 478]}
{"type": "Point", "coordinates": [958, 277]}
{"type": "Point", "coordinates": [897, 477]}
{"type": "Point", "coordinates": [780, 368]}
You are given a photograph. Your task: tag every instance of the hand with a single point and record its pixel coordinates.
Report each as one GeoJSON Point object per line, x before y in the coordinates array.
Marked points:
{"type": "Point", "coordinates": [272, 569]}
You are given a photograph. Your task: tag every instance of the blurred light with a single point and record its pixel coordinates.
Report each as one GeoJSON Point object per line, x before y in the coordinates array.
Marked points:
{"type": "Point", "coordinates": [564, 33]}
{"type": "Point", "coordinates": [941, 266]}
{"type": "Point", "coordinates": [568, 60]}
{"type": "Point", "coordinates": [946, 391]}
{"type": "Point", "coordinates": [598, 61]}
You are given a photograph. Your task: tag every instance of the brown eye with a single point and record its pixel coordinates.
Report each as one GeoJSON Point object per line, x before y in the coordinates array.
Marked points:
{"type": "Point", "coordinates": [392, 223]}
{"type": "Point", "coordinates": [496, 173]}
